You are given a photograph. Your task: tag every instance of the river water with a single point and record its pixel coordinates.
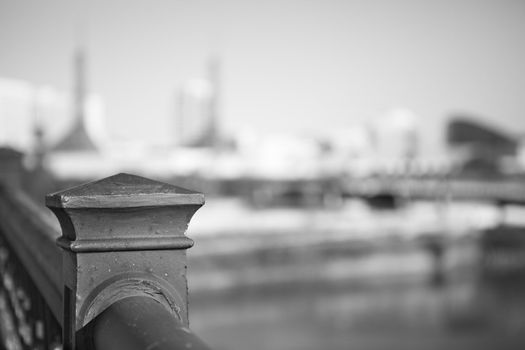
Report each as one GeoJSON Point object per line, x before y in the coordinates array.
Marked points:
{"type": "Point", "coordinates": [348, 278]}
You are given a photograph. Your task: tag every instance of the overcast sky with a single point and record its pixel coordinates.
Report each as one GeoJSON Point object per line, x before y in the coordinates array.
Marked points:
{"type": "Point", "coordinates": [286, 65]}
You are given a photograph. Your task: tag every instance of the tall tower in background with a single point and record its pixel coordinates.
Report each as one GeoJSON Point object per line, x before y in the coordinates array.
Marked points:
{"type": "Point", "coordinates": [180, 126]}
{"type": "Point", "coordinates": [199, 116]}
{"type": "Point", "coordinates": [78, 139]}
{"type": "Point", "coordinates": [212, 132]}
{"type": "Point", "coordinates": [79, 71]}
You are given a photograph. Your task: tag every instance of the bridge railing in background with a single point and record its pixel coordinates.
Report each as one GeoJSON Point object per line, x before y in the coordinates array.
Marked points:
{"type": "Point", "coordinates": [118, 280]}
{"type": "Point", "coordinates": [499, 191]}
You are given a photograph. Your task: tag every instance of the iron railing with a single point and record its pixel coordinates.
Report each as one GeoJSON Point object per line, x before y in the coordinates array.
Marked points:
{"type": "Point", "coordinates": [114, 279]}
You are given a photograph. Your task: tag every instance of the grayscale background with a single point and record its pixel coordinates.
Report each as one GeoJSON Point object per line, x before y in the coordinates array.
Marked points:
{"type": "Point", "coordinates": [302, 121]}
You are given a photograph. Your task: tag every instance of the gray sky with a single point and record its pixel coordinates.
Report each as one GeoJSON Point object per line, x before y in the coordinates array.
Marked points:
{"type": "Point", "coordinates": [287, 65]}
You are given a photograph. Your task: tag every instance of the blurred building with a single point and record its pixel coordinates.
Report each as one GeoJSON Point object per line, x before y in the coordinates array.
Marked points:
{"type": "Point", "coordinates": [481, 149]}
{"type": "Point", "coordinates": [198, 120]}
{"type": "Point", "coordinates": [23, 105]}
{"type": "Point", "coordinates": [78, 155]}
{"type": "Point", "coordinates": [58, 131]}
{"type": "Point", "coordinates": [395, 139]}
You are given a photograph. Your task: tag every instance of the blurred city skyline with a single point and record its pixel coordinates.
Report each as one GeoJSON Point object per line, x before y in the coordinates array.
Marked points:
{"type": "Point", "coordinates": [295, 66]}
{"type": "Point", "coordinates": [363, 164]}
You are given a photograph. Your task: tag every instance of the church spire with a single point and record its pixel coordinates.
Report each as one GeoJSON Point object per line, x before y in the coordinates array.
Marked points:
{"type": "Point", "coordinates": [78, 140]}
{"type": "Point", "coordinates": [79, 85]}
{"type": "Point", "coordinates": [214, 76]}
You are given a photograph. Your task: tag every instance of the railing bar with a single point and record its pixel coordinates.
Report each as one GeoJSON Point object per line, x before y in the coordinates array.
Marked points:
{"type": "Point", "coordinates": [137, 323]}
{"type": "Point", "coordinates": [10, 313]}
{"type": "Point", "coordinates": [49, 332]}
{"type": "Point", "coordinates": [8, 302]}
{"type": "Point", "coordinates": [9, 317]}
{"type": "Point", "coordinates": [30, 304]}
{"type": "Point", "coordinates": [32, 315]}
{"type": "Point", "coordinates": [37, 251]}
{"type": "Point", "coordinates": [36, 269]}
{"type": "Point", "coordinates": [19, 274]}
{"type": "Point", "coordinates": [46, 223]}
{"type": "Point", "coordinates": [20, 295]}
{"type": "Point", "coordinates": [40, 307]}
{"type": "Point", "coordinates": [45, 233]}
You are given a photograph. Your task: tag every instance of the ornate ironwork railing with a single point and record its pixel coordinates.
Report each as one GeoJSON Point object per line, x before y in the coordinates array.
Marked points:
{"type": "Point", "coordinates": [30, 265]}
{"type": "Point", "coordinates": [114, 279]}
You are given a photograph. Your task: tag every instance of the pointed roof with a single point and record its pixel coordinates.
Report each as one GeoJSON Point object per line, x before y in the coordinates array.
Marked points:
{"type": "Point", "coordinates": [76, 141]}
{"type": "Point", "coordinates": [10, 153]}
{"type": "Point", "coordinates": [123, 191]}
{"type": "Point", "coordinates": [468, 131]}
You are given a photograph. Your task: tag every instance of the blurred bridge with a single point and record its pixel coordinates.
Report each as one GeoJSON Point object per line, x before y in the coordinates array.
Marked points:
{"type": "Point", "coordinates": [323, 191]}
{"type": "Point", "coordinates": [500, 191]}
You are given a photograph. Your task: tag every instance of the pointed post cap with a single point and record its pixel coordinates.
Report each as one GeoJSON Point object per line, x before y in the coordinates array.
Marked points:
{"type": "Point", "coordinates": [123, 191]}
{"type": "Point", "coordinates": [124, 212]}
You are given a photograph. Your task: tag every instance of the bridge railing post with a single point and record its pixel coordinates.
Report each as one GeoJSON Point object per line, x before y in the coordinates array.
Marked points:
{"type": "Point", "coordinates": [123, 238]}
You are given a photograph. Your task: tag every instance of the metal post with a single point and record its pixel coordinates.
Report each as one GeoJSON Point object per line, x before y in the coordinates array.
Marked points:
{"type": "Point", "coordinates": [123, 237]}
